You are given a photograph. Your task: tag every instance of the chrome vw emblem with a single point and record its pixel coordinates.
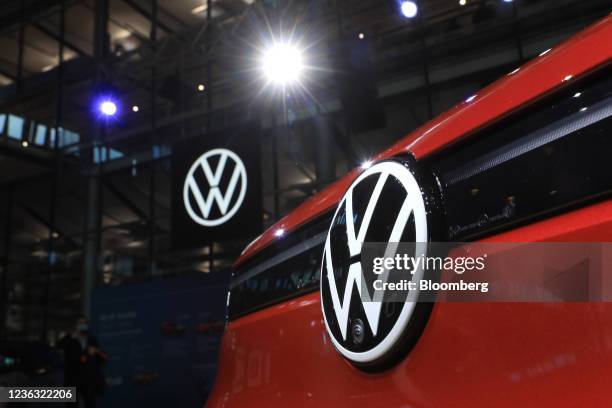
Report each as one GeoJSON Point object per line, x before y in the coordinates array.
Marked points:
{"type": "Point", "coordinates": [384, 203]}
{"type": "Point", "coordinates": [216, 179]}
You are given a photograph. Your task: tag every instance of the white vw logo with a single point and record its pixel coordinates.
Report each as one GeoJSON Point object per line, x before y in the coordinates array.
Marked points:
{"type": "Point", "coordinates": [207, 194]}
{"type": "Point", "coordinates": [412, 204]}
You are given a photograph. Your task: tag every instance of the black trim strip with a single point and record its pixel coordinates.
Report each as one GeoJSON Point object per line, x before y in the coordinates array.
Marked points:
{"type": "Point", "coordinates": [293, 251]}
{"type": "Point", "coordinates": [539, 138]}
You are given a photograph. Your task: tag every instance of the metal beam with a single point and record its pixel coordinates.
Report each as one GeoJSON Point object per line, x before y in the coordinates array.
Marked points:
{"type": "Point", "coordinates": [101, 44]}
{"type": "Point", "coordinates": [5, 260]}
{"type": "Point", "coordinates": [149, 16]}
{"type": "Point", "coordinates": [33, 10]}
{"type": "Point", "coordinates": [6, 73]}
{"type": "Point", "coordinates": [153, 170]}
{"type": "Point", "coordinates": [20, 47]}
{"type": "Point", "coordinates": [32, 213]}
{"type": "Point", "coordinates": [31, 155]}
{"type": "Point", "coordinates": [58, 38]}
{"type": "Point", "coordinates": [172, 16]}
{"type": "Point", "coordinates": [125, 200]}
{"type": "Point", "coordinates": [25, 181]}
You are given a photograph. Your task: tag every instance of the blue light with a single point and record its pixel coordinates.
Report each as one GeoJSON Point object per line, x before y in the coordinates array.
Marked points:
{"type": "Point", "coordinates": [108, 108]}
{"type": "Point", "coordinates": [409, 9]}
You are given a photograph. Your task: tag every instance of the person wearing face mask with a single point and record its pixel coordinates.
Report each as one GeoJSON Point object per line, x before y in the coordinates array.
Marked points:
{"type": "Point", "coordinates": [83, 361]}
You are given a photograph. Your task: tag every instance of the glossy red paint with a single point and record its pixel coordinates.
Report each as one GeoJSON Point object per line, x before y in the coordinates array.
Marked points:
{"type": "Point", "coordinates": [582, 53]}
{"type": "Point", "coordinates": [470, 354]}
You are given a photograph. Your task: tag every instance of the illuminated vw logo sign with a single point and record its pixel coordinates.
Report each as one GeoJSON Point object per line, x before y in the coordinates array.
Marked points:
{"type": "Point", "coordinates": [215, 187]}
{"type": "Point", "coordinates": [384, 204]}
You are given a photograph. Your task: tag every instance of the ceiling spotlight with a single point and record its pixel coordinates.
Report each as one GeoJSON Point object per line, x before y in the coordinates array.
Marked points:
{"type": "Point", "coordinates": [361, 36]}
{"type": "Point", "coordinates": [507, 1]}
{"type": "Point", "coordinates": [409, 9]}
{"type": "Point", "coordinates": [282, 63]}
{"type": "Point", "coordinates": [108, 108]}
{"type": "Point", "coordinates": [25, 143]}
{"type": "Point", "coordinates": [462, 2]}
{"type": "Point", "coordinates": [201, 87]}
{"type": "Point", "coordinates": [135, 108]}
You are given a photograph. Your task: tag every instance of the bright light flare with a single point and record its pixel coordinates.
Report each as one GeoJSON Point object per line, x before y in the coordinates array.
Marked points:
{"type": "Point", "coordinates": [108, 108]}
{"type": "Point", "coordinates": [282, 63]}
{"type": "Point", "coordinates": [409, 9]}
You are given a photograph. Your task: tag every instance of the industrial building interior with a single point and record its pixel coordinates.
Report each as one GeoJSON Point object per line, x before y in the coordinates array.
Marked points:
{"type": "Point", "coordinates": [86, 198]}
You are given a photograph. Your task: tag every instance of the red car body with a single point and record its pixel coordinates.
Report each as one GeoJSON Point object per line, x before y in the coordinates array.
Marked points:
{"type": "Point", "coordinates": [469, 354]}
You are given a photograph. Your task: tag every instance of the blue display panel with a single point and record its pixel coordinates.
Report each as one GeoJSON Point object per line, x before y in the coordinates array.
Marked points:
{"type": "Point", "coordinates": [162, 338]}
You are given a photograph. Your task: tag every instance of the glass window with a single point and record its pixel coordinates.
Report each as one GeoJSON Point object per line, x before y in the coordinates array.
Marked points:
{"type": "Point", "coordinates": [96, 154]}
{"type": "Point", "coordinates": [41, 131]}
{"type": "Point", "coordinates": [52, 137]}
{"type": "Point", "coordinates": [114, 154]}
{"type": "Point", "coordinates": [67, 137]}
{"type": "Point", "coordinates": [15, 127]}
